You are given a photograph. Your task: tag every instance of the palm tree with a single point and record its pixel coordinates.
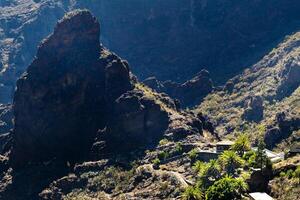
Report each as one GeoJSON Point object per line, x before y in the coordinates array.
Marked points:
{"type": "Point", "coordinates": [230, 161]}
{"type": "Point", "coordinates": [209, 173]}
{"type": "Point", "coordinates": [242, 144]}
{"type": "Point", "coordinates": [192, 193]}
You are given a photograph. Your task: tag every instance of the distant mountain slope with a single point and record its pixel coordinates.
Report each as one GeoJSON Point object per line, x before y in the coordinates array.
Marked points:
{"type": "Point", "coordinates": [23, 23]}
{"type": "Point", "coordinates": [176, 39]}
{"type": "Point", "coordinates": [167, 39]}
{"type": "Point", "coordinates": [260, 93]}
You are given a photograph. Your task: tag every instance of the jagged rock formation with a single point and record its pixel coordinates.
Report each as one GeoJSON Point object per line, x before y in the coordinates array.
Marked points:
{"type": "Point", "coordinates": [189, 93]}
{"type": "Point", "coordinates": [79, 102]}
{"type": "Point", "coordinates": [188, 36]}
{"type": "Point", "coordinates": [275, 83]}
{"type": "Point", "coordinates": [61, 96]}
{"type": "Point", "coordinates": [290, 78]}
{"type": "Point", "coordinates": [72, 90]}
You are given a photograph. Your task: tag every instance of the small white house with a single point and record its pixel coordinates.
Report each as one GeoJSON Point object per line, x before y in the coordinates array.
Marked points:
{"type": "Point", "coordinates": [260, 196]}
{"type": "Point", "coordinates": [274, 157]}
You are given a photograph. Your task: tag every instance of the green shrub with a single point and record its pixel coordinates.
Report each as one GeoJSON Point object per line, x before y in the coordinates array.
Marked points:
{"type": "Point", "coordinates": [282, 174]}
{"type": "Point", "coordinates": [289, 174]}
{"type": "Point", "coordinates": [112, 178]}
{"type": "Point", "coordinates": [193, 154]}
{"type": "Point", "coordinates": [163, 155]}
{"type": "Point", "coordinates": [226, 188]}
{"type": "Point", "coordinates": [163, 142]}
{"type": "Point", "coordinates": [192, 193]}
{"type": "Point", "coordinates": [297, 173]}
{"type": "Point", "coordinates": [250, 158]}
{"type": "Point", "coordinates": [198, 166]}
{"type": "Point", "coordinates": [178, 148]}
{"type": "Point", "coordinates": [156, 162]}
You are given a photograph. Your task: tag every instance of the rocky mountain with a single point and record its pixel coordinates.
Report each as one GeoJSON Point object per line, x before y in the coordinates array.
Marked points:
{"type": "Point", "coordinates": [77, 123]}
{"type": "Point", "coordinates": [160, 38]}
{"type": "Point", "coordinates": [265, 94]}
{"type": "Point", "coordinates": [78, 109]}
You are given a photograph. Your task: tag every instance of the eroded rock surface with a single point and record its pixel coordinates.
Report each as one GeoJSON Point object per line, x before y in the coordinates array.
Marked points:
{"type": "Point", "coordinates": [71, 93]}
{"type": "Point", "coordinates": [282, 128]}
{"type": "Point", "coordinates": [61, 96]}
{"type": "Point", "coordinates": [254, 109]}
{"type": "Point", "coordinates": [190, 93]}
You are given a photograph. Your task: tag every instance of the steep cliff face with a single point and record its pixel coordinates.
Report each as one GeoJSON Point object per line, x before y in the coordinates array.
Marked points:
{"type": "Point", "coordinates": [172, 40]}
{"type": "Point", "coordinates": [76, 94]}
{"type": "Point", "coordinates": [67, 93]}
{"type": "Point", "coordinates": [61, 96]}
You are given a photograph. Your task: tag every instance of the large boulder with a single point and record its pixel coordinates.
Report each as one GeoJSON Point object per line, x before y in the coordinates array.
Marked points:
{"type": "Point", "coordinates": [137, 119]}
{"type": "Point", "coordinates": [272, 137]}
{"type": "Point", "coordinates": [254, 109]}
{"type": "Point", "coordinates": [290, 77]}
{"type": "Point", "coordinates": [284, 127]}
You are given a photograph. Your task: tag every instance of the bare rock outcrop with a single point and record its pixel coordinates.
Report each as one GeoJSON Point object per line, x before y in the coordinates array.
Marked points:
{"type": "Point", "coordinates": [59, 99]}
{"type": "Point", "coordinates": [139, 117]}
{"type": "Point", "coordinates": [254, 109]}
{"type": "Point", "coordinates": [75, 90]}
{"type": "Point", "coordinates": [189, 93]}
{"type": "Point", "coordinates": [282, 129]}
{"type": "Point", "coordinates": [290, 77]}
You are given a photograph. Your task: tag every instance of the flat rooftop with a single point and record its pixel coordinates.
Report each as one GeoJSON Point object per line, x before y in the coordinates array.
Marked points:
{"type": "Point", "coordinates": [225, 142]}
{"type": "Point", "coordinates": [260, 196]}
